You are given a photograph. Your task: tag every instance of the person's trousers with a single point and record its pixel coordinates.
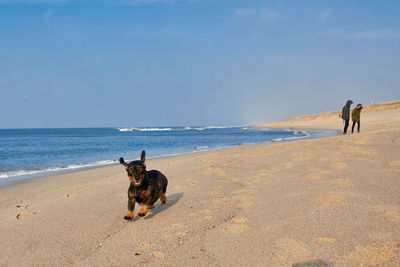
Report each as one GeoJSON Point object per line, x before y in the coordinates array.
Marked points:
{"type": "Point", "coordinates": [346, 125]}
{"type": "Point", "coordinates": [358, 126]}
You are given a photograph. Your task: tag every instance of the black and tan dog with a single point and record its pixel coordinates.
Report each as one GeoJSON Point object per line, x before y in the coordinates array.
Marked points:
{"type": "Point", "coordinates": [146, 187]}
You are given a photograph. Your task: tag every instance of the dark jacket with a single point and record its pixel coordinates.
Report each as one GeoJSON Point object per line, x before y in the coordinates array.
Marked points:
{"type": "Point", "coordinates": [355, 115]}
{"type": "Point", "coordinates": [346, 110]}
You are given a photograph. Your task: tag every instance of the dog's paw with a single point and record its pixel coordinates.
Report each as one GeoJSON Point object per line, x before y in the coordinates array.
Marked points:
{"type": "Point", "coordinates": [142, 214]}
{"type": "Point", "coordinates": [143, 210]}
{"type": "Point", "coordinates": [128, 218]}
{"type": "Point", "coordinates": [163, 198]}
{"type": "Point", "coordinates": [129, 215]}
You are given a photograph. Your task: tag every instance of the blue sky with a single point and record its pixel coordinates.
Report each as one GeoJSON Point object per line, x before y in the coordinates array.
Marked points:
{"type": "Point", "coordinates": [71, 63]}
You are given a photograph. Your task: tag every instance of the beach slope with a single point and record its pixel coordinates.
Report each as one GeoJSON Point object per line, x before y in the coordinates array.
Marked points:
{"type": "Point", "coordinates": [331, 201]}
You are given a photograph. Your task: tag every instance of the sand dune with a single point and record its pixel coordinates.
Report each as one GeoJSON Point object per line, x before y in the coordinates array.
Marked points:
{"type": "Point", "coordinates": [371, 115]}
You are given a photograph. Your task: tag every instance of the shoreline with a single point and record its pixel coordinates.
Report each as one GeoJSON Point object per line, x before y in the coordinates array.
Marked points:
{"type": "Point", "coordinates": [10, 180]}
{"type": "Point", "coordinates": [330, 201]}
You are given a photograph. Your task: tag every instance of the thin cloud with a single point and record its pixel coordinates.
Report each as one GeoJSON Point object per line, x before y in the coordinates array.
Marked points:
{"type": "Point", "coordinates": [376, 35]}
{"type": "Point", "coordinates": [269, 14]}
{"type": "Point", "coordinates": [252, 13]}
{"type": "Point", "coordinates": [372, 34]}
{"type": "Point", "coordinates": [244, 13]}
{"type": "Point", "coordinates": [33, 1]}
{"type": "Point", "coordinates": [138, 2]}
{"type": "Point", "coordinates": [325, 14]}
{"type": "Point", "coordinates": [100, 2]}
{"type": "Point", "coordinates": [48, 14]}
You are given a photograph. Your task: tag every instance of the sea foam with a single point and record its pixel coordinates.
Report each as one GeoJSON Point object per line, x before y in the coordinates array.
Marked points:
{"type": "Point", "coordinates": [142, 129]}
{"type": "Point", "coordinates": [52, 170]}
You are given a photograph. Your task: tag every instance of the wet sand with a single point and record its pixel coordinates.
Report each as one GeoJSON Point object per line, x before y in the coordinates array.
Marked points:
{"type": "Point", "coordinates": [331, 201]}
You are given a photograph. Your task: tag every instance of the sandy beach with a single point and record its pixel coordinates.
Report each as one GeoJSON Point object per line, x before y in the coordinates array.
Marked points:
{"type": "Point", "coordinates": [330, 201]}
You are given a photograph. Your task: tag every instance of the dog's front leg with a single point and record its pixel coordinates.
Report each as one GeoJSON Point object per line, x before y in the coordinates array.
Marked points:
{"type": "Point", "coordinates": [131, 207]}
{"type": "Point", "coordinates": [143, 209]}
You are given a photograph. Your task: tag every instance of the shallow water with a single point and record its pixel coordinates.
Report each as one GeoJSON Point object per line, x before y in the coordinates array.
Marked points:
{"type": "Point", "coordinates": [26, 153]}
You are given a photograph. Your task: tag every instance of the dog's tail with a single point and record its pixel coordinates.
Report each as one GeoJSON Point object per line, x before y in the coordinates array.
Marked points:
{"type": "Point", "coordinates": [143, 156]}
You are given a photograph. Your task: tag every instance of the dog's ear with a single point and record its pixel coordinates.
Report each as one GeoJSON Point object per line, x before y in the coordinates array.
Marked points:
{"type": "Point", "coordinates": [143, 156]}
{"type": "Point", "coordinates": [121, 160]}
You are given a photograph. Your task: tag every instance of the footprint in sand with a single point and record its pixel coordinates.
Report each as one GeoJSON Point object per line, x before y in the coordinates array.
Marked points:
{"type": "Point", "coordinates": [370, 254]}
{"type": "Point", "coordinates": [181, 234]}
{"type": "Point", "coordinates": [239, 191]}
{"type": "Point", "coordinates": [388, 212]}
{"type": "Point", "coordinates": [342, 182]}
{"type": "Point", "coordinates": [268, 172]}
{"type": "Point", "coordinates": [180, 187]}
{"type": "Point", "coordinates": [207, 218]}
{"type": "Point", "coordinates": [302, 191]}
{"type": "Point", "coordinates": [254, 180]}
{"type": "Point", "coordinates": [365, 154]}
{"type": "Point", "coordinates": [77, 192]}
{"type": "Point", "coordinates": [287, 250]}
{"type": "Point", "coordinates": [192, 181]}
{"type": "Point", "coordinates": [315, 176]}
{"type": "Point", "coordinates": [177, 234]}
{"type": "Point", "coordinates": [237, 226]}
{"type": "Point", "coordinates": [245, 203]}
{"type": "Point", "coordinates": [26, 213]}
{"type": "Point", "coordinates": [31, 206]}
{"type": "Point", "coordinates": [215, 171]}
{"type": "Point", "coordinates": [158, 254]}
{"type": "Point", "coordinates": [304, 156]}
{"type": "Point", "coordinates": [393, 245]}
{"type": "Point", "coordinates": [231, 180]}
{"type": "Point", "coordinates": [205, 215]}
{"type": "Point", "coordinates": [338, 165]}
{"type": "Point", "coordinates": [168, 236]}
{"type": "Point", "coordinates": [240, 220]}
{"type": "Point", "coordinates": [174, 227]}
{"type": "Point", "coordinates": [289, 165]}
{"type": "Point", "coordinates": [218, 189]}
{"type": "Point", "coordinates": [222, 200]}
{"type": "Point", "coordinates": [393, 163]}
{"type": "Point", "coordinates": [145, 246]}
{"type": "Point", "coordinates": [205, 212]}
{"type": "Point", "coordinates": [330, 200]}
{"type": "Point", "coordinates": [322, 240]}
{"type": "Point", "coordinates": [117, 180]}
{"type": "Point", "coordinates": [359, 142]}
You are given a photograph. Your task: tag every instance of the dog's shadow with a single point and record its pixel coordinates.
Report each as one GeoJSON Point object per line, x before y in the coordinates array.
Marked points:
{"type": "Point", "coordinates": [171, 201]}
{"type": "Point", "coordinates": [313, 263]}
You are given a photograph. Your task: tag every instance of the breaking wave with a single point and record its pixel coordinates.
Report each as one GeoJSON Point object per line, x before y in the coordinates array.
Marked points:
{"type": "Point", "coordinates": [142, 129]}
{"type": "Point", "coordinates": [9, 174]}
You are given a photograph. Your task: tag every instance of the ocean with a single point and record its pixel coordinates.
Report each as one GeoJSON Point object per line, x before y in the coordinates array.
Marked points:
{"type": "Point", "coordinates": [28, 153]}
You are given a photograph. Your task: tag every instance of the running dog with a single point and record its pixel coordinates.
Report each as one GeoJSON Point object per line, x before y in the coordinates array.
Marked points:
{"type": "Point", "coordinates": [146, 187]}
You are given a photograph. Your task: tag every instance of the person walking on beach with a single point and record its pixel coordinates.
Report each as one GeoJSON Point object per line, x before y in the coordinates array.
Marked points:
{"type": "Point", "coordinates": [355, 117]}
{"type": "Point", "coordinates": [346, 115]}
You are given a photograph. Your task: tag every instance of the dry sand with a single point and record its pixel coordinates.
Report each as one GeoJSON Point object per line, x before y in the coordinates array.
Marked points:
{"type": "Point", "coordinates": [332, 201]}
